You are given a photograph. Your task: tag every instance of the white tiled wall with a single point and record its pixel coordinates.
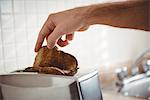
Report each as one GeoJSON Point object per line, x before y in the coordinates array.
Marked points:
{"type": "Point", "coordinates": [21, 20]}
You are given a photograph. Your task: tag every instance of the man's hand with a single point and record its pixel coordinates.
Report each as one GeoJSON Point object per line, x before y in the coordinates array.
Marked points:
{"type": "Point", "coordinates": [128, 14]}
{"type": "Point", "coordinates": [59, 24]}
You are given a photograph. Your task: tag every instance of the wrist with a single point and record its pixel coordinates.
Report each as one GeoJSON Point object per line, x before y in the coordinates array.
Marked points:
{"type": "Point", "coordinates": [93, 14]}
{"type": "Point", "coordinates": [83, 14]}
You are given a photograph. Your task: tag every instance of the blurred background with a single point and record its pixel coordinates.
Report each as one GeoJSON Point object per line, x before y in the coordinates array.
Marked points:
{"type": "Point", "coordinates": [100, 47]}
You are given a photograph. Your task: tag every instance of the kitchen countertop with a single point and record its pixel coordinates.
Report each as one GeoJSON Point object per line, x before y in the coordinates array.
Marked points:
{"type": "Point", "coordinates": [113, 95]}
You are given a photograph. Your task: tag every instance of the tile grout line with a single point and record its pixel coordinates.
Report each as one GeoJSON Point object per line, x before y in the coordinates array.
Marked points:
{"type": "Point", "coordinates": [2, 42]}
{"type": "Point", "coordinates": [26, 32]}
{"type": "Point", "coordinates": [14, 30]}
{"type": "Point", "coordinates": [36, 13]}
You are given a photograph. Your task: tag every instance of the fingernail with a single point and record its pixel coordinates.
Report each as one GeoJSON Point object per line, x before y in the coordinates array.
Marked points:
{"type": "Point", "coordinates": [66, 42]}
{"type": "Point", "coordinates": [70, 38]}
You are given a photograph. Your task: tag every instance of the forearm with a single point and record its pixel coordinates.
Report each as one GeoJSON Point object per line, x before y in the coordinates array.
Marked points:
{"type": "Point", "coordinates": [128, 14]}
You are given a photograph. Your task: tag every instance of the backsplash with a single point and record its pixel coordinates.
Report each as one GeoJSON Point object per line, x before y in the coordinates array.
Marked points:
{"type": "Point", "coordinates": [21, 20]}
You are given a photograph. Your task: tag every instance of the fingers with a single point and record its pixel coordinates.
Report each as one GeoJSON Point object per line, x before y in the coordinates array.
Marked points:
{"type": "Point", "coordinates": [62, 43]}
{"type": "Point", "coordinates": [65, 42]}
{"type": "Point", "coordinates": [70, 36]}
{"type": "Point", "coordinates": [45, 31]}
{"type": "Point", "coordinates": [53, 38]}
{"type": "Point", "coordinates": [39, 42]}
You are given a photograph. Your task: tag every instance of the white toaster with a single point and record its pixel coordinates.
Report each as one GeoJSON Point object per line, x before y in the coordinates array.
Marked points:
{"type": "Point", "coordinates": [32, 86]}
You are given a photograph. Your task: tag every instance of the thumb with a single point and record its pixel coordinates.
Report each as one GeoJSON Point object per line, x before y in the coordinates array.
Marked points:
{"type": "Point", "coordinates": [53, 38]}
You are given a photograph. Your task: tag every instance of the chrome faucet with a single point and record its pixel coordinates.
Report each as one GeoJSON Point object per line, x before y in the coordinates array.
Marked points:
{"type": "Point", "coordinates": [137, 85]}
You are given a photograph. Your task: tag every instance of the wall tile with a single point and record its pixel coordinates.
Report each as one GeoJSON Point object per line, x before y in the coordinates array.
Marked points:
{"type": "Point", "coordinates": [31, 21]}
{"type": "Point", "coordinates": [42, 6]}
{"type": "Point", "coordinates": [21, 49]}
{"type": "Point", "coordinates": [1, 52]}
{"type": "Point", "coordinates": [30, 6]}
{"type": "Point", "coordinates": [8, 36]}
{"type": "Point", "coordinates": [31, 53]}
{"type": "Point", "coordinates": [31, 47]}
{"type": "Point", "coordinates": [30, 61]}
{"type": "Point", "coordinates": [51, 6]}
{"type": "Point", "coordinates": [7, 21]}
{"type": "Point", "coordinates": [10, 65]}
{"type": "Point", "coordinates": [20, 28]}
{"type": "Point", "coordinates": [0, 36]}
{"type": "Point", "coordinates": [32, 36]}
{"type": "Point", "coordinates": [6, 6]}
{"type": "Point", "coordinates": [18, 6]}
{"type": "Point", "coordinates": [21, 36]}
{"type": "Point", "coordinates": [9, 51]}
{"type": "Point", "coordinates": [2, 70]}
{"type": "Point", "coordinates": [22, 62]}
{"type": "Point", "coordinates": [20, 21]}
{"type": "Point", "coordinates": [60, 5]}
{"type": "Point", "coordinates": [41, 19]}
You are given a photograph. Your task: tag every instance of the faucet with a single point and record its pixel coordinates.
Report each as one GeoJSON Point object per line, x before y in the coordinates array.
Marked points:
{"type": "Point", "coordinates": [137, 84]}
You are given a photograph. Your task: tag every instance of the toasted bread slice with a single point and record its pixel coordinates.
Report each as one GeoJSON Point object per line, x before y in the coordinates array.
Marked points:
{"type": "Point", "coordinates": [51, 70]}
{"type": "Point", "coordinates": [56, 58]}
{"type": "Point", "coordinates": [45, 70]}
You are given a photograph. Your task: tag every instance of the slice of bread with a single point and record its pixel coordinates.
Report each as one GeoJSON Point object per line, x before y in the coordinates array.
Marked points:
{"type": "Point", "coordinates": [56, 59]}
{"type": "Point", "coordinates": [45, 70]}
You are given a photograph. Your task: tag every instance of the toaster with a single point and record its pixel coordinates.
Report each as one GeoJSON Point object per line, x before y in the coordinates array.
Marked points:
{"type": "Point", "coordinates": [33, 86]}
